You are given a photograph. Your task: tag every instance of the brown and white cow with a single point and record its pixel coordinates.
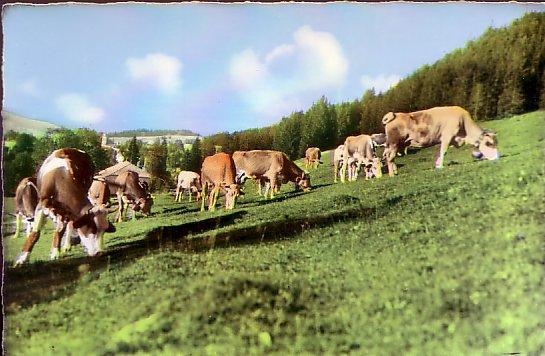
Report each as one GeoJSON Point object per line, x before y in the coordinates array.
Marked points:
{"type": "Point", "coordinates": [189, 182]}
{"type": "Point", "coordinates": [218, 172]}
{"type": "Point", "coordinates": [312, 157]}
{"type": "Point", "coordinates": [446, 125]}
{"type": "Point", "coordinates": [26, 200]}
{"type": "Point", "coordinates": [131, 192]}
{"type": "Point", "coordinates": [272, 166]}
{"type": "Point", "coordinates": [63, 182]}
{"type": "Point", "coordinates": [361, 149]}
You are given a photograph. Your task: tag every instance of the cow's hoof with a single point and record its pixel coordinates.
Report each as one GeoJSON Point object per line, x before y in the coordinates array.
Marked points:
{"type": "Point", "coordinates": [21, 259]}
{"type": "Point", "coordinates": [54, 254]}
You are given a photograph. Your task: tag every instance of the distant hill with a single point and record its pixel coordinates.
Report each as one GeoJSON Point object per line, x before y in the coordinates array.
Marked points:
{"type": "Point", "coordinates": [146, 132]}
{"type": "Point", "coordinates": [18, 123]}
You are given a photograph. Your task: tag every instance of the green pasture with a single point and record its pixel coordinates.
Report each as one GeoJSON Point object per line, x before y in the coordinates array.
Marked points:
{"type": "Point", "coordinates": [444, 261]}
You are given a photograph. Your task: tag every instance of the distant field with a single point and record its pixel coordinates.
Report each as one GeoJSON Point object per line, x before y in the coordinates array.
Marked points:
{"type": "Point", "coordinates": [428, 262]}
{"type": "Point", "coordinates": [20, 123]}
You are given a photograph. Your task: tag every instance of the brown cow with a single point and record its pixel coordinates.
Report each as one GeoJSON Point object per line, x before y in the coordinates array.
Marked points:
{"type": "Point", "coordinates": [444, 125]}
{"type": "Point", "coordinates": [63, 182]}
{"type": "Point", "coordinates": [190, 182]}
{"type": "Point", "coordinates": [219, 173]}
{"type": "Point", "coordinates": [99, 193]}
{"type": "Point", "coordinates": [361, 149]}
{"type": "Point", "coordinates": [272, 166]}
{"type": "Point", "coordinates": [130, 192]}
{"type": "Point", "coordinates": [312, 157]}
{"type": "Point", "coordinates": [26, 200]}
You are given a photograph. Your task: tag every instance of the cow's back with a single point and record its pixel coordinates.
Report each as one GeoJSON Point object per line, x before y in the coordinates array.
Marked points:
{"type": "Point", "coordinates": [361, 144]}
{"type": "Point", "coordinates": [257, 162]}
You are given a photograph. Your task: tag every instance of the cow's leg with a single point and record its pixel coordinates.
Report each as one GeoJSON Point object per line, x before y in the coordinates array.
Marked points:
{"type": "Point", "coordinates": [343, 170]}
{"type": "Point", "coordinates": [67, 238]}
{"type": "Point", "coordinates": [31, 239]}
{"type": "Point", "coordinates": [390, 154]}
{"type": "Point", "coordinates": [441, 154]}
{"type": "Point", "coordinates": [120, 207]}
{"type": "Point", "coordinates": [214, 196]}
{"type": "Point", "coordinates": [133, 212]}
{"type": "Point", "coordinates": [203, 196]}
{"type": "Point", "coordinates": [259, 187]}
{"type": "Point", "coordinates": [272, 185]}
{"type": "Point", "coordinates": [18, 224]}
{"type": "Point", "coordinates": [177, 195]}
{"type": "Point", "coordinates": [190, 193]}
{"type": "Point", "coordinates": [56, 241]}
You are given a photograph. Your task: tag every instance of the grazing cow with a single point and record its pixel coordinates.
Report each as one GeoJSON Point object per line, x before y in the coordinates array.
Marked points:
{"type": "Point", "coordinates": [99, 193]}
{"type": "Point", "coordinates": [440, 125]}
{"type": "Point", "coordinates": [219, 173]}
{"type": "Point", "coordinates": [189, 182]}
{"type": "Point", "coordinates": [337, 161]}
{"type": "Point", "coordinates": [130, 192]}
{"type": "Point", "coordinates": [272, 166]}
{"type": "Point", "coordinates": [312, 157]}
{"type": "Point", "coordinates": [378, 139]}
{"type": "Point", "coordinates": [63, 182]}
{"type": "Point", "coordinates": [361, 149]}
{"type": "Point", "coordinates": [26, 200]}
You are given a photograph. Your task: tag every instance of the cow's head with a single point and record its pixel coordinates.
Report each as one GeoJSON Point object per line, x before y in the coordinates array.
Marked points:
{"type": "Point", "coordinates": [487, 146]}
{"type": "Point", "coordinates": [232, 192]}
{"type": "Point", "coordinates": [144, 204]}
{"type": "Point", "coordinates": [91, 227]}
{"type": "Point", "coordinates": [303, 181]}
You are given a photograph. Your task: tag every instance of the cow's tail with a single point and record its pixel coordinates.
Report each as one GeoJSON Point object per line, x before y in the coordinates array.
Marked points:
{"type": "Point", "coordinates": [389, 117]}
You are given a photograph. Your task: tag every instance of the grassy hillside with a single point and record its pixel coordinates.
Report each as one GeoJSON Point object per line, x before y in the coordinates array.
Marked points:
{"type": "Point", "coordinates": [428, 262]}
{"type": "Point", "coordinates": [14, 122]}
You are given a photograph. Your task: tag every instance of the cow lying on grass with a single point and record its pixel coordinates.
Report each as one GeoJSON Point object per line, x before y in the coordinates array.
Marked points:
{"type": "Point", "coordinates": [26, 200]}
{"type": "Point", "coordinates": [361, 150]}
{"type": "Point", "coordinates": [273, 167]}
{"type": "Point", "coordinates": [447, 125]}
{"type": "Point", "coordinates": [63, 182]}
{"type": "Point", "coordinates": [218, 173]}
{"type": "Point", "coordinates": [312, 157]}
{"type": "Point", "coordinates": [189, 182]}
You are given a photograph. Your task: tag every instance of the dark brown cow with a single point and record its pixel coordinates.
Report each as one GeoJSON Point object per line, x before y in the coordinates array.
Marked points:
{"type": "Point", "coordinates": [63, 182]}
{"type": "Point", "coordinates": [130, 192]}
{"type": "Point", "coordinates": [26, 200]}
{"type": "Point", "coordinates": [272, 166]}
{"type": "Point", "coordinates": [444, 125]}
{"type": "Point", "coordinates": [218, 173]}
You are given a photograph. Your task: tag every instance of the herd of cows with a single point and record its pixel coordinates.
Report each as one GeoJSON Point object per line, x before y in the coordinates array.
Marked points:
{"type": "Point", "coordinates": [66, 190]}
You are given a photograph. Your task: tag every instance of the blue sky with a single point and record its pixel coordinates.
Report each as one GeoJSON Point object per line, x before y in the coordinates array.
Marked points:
{"type": "Point", "coordinates": [216, 67]}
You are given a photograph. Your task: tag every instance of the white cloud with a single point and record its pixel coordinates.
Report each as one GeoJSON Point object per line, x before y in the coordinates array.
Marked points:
{"type": "Point", "coordinates": [158, 70]}
{"type": "Point", "coordinates": [290, 75]}
{"type": "Point", "coordinates": [381, 82]}
{"type": "Point", "coordinates": [29, 87]}
{"type": "Point", "coordinates": [76, 107]}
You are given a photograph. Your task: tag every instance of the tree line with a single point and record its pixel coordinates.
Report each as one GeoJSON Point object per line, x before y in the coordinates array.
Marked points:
{"type": "Point", "coordinates": [499, 74]}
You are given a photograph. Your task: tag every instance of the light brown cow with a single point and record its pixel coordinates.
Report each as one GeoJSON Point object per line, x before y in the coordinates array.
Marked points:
{"type": "Point", "coordinates": [444, 125]}
{"type": "Point", "coordinates": [361, 149]}
{"type": "Point", "coordinates": [130, 192]}
{"type": "Point", "coordinates": [190, 182]}
{"type": "Point", "coordinates": [219, 173]}
{"type": "Point", "coordinates": [99, 193]}
{"type": "Point", "coordinates": [312, 157]}
{"type": "Point", "coordinates": [63, 182]}
{"type": "Point", "coordinates": [26, 200]}
{"type": "Point", "coordinates": [272, 166]}
{"type": "Point", "coordinates": [337, 161]}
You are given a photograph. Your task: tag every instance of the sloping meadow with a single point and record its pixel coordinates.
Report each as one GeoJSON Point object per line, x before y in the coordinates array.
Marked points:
{"type": "Point", "coordinates": [430, 261]}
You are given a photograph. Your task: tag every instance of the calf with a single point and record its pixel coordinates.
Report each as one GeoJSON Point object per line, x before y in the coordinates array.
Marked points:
{"type": "Point", "coordinates": [272, 166]}
{"type": "Point", "coordinates": [447, 125]}
{"type": "Point", "coordinates": [189, 182]}
{"type": "Point", "coordinates": [219, 173]}
{"type": "Point", "coordinates": [62, 183]}
{"type": "Point", "coordinates": [312, 157]}
{"type": "Point", "coordinates": [130, 192]}
{"type": "Point", "coordinates": [361, 149]}
{"type": "Point", "coordinates": [26, 200]}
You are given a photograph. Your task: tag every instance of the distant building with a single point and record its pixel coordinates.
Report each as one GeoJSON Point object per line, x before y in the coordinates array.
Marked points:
{"type": "Point", "coordinates": [176, 139]}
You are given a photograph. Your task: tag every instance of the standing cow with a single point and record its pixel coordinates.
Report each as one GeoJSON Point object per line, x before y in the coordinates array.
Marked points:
{"type": "Point", "coordinates": [446, 125]}
{"type": "Point", "coordinates": [131, 193]}
{"type": "Point", "coordinates": [270, 166]}
{"type": "Point", "coordinates": [63, 182]}
{"type": "Point", "coordinates": [219, 173]}
{"type": "Point", "coordinates": [189, 182]}
{"type": "Point", "coordinates": [312, 157]}
{"type": "Point", "coordinates": [26, 200]}
{"type": "Point", "coordinates": [361, 149]}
